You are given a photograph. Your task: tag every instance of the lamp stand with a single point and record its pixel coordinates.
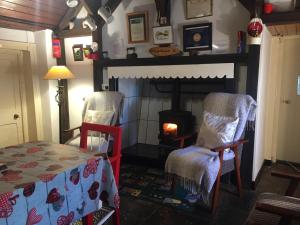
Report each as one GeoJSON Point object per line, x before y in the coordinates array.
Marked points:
{"type": "Point", "coordinates": [59, 95]}
{"type": "Point", "coordinates": [63, 105]}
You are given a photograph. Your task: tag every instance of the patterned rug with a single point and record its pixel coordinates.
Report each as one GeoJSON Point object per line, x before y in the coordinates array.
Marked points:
{"type": "Point", "coordinates": [150, 184]}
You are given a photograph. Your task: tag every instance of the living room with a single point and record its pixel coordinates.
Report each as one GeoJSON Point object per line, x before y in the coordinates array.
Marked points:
{"type": "Point", "coordinates": [166, 63]}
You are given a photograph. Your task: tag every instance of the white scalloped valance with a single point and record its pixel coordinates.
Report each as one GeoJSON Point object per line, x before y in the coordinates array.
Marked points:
{"type": "Point", "coordinates": [217, 70]}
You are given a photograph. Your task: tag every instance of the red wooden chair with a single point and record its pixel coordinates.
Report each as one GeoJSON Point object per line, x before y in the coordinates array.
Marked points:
{"type": "Point", "coordinates": [115, 158]}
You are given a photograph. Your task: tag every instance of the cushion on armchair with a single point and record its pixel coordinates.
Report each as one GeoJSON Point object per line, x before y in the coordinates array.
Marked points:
{"type": "Point", "coordinates": [96, 141]}
{"type": "Point", "coordinates": [98, 117]}
{"type": "Point", "coordinates": [216, 130]}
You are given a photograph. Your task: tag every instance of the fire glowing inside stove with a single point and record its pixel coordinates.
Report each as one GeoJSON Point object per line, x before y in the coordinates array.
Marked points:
{"type": "Point", "coordinates": [170, 129]}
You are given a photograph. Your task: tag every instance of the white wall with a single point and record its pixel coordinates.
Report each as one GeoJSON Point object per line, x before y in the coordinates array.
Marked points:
{"type": "Point", "coordinates": [16, 35]}
{"type": "Point", "coordinates": [228, 18]}
{"type": "Point", "coordinates": [45, 60]}
{"type": "Point", "coordinates": [82, 85]}
{"type": "Point", "coordinates": [38, 45]}
{"type": "Point", "coordinates": [264, 63]}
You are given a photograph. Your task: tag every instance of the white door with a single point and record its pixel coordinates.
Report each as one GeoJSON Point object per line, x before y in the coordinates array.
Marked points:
{"type": "Point", "coordinates": [289, 115]}
{"type": "Point", "coordinates": [11, 129]}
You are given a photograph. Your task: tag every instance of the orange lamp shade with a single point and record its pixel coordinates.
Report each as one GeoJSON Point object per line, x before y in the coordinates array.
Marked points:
{"type": "Point", "coordinates": [58, 73]}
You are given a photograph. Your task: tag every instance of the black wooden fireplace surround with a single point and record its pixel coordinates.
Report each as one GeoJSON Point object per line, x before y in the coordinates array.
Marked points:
{"type": "Point", "coordinates": [251, 60]}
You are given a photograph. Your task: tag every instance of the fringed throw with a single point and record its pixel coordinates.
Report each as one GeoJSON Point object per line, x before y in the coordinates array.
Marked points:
{"type": "Point", "coordinates": [195, 168]}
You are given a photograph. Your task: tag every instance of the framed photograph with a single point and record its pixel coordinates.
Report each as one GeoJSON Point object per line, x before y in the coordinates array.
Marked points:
{"type": "Point", "coordinates": [137, 26]}
{"type": "Point", "coordinates": [87, 51]}
{"type": "Point", "coordinates": [197, 37]}
{"type": "Point", "coordinates": [198, 8]}
{"type": "Point", "coordinates": [162, 35]}
{"type": "Point", "coordinates": [78, 52]}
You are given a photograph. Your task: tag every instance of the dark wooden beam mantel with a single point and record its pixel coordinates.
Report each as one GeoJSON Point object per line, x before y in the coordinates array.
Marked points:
{"type": "Point", "coordinates": [282, 18]}
{"type": "Point", "coordinates": [69, 16]}
{"type": "Point", "coordinates": [177, 60]}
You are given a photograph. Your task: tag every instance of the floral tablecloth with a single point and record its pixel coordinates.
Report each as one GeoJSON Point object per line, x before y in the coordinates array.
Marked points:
{"type": "Point", "coordinates": [49, 184]}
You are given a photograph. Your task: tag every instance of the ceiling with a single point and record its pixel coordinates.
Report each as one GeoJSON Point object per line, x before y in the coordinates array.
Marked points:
{"type": "Point", "coordinates": [31, 15]}
{"type": "Point", "coordinates": [285, 29]}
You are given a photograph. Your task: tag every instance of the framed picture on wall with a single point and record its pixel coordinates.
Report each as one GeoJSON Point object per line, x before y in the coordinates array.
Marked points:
{"type": "Point", "coordinates": [137, 26]}
{"type": "Point", "coordinates": [162, 35]}
{"type": "Point", "coordinates": [198, 8]}
{"type": "Point", "coordinates": [197, 37]}
{"type": "Point", "coordinates": [78, 52]}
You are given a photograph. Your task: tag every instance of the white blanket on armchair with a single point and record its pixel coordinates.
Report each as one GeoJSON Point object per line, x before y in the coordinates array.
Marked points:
{"type": "Point", "coordinates": [196, 168]}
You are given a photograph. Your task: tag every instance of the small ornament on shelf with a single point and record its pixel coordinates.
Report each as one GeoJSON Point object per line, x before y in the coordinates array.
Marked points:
{"type": "Point", "coordinates": [92, 52]}
{"type": "Point", "coordinates": [131, 53]}
{"type": "Point", "coordinates": [241, 48]}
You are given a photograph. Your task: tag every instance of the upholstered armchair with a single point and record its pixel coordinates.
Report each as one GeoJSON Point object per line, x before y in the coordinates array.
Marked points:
{"type": "Point", "coordinates": [102, 108]}
{"type": "Point", "coordinates": [218, 150]}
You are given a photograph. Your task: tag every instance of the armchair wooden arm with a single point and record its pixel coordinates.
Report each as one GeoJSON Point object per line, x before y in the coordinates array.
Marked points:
{"type": "Point", "coordinates": [287, 172]}
{"type": "Point", "coordinates": [71, 130]}
{"type": "Point", "coordinates": [287, 208]}
{"type": "Point", "coordinates": [284, 206]}
{"type": "Point", "coordinates": [233, 146]}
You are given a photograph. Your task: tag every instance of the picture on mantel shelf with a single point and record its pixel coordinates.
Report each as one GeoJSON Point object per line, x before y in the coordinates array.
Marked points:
{"type": "Point", "coordinates": [197, 37]}
{"type": "Point", "coordinates": [198, 8]}
{"type": "Point", "coordinates": [137, 27]}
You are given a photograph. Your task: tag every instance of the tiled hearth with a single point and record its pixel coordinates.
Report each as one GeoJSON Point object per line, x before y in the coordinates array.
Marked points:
{"type": "Point", "coordinates": [140, 119]}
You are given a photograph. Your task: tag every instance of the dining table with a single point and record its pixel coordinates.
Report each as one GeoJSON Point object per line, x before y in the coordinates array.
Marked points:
{"type": "Point", "coordinates": [45, 183]}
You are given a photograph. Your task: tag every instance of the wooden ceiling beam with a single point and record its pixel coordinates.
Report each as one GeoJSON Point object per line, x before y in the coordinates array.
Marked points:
{"type": "Point", "coordinates": [12, 20]}
{"type": "Point", "coordinates": [27, 10]}
{"type": "Point", "coordinates": [69, 16]}
{"type": "Point", "coordinates": [91, 6]}
{"type": "Point", "coordinates": [74, 33]}
{"type": "Point", "coordinates": [19, 26]}
{"type": "Point", "coordinates": [43, 5]}
{"type": "Point", "coordinates": [253, 6]}
{"type": "Point", "coordinates": [27, 17]}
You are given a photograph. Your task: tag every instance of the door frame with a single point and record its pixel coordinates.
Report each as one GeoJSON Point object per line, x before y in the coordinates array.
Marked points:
{"type": "Point", "coordinates": [31, 77]}
{"type": "Point", "coordinates": [274, 92]}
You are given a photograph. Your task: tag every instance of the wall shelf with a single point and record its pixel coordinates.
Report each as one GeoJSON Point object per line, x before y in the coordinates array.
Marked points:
{"type": "Point", "coordinates": [177, 60]}
{"type": "Point", "coordinates": [281, 18]}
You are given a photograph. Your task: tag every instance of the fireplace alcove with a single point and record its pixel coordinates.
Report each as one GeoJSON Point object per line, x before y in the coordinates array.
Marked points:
{"type": "Point", "coordinates": [196, 75]}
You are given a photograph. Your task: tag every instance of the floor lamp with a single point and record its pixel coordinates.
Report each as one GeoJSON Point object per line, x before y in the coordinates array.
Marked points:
{"type": "Point", "coordinates": [59, 73]}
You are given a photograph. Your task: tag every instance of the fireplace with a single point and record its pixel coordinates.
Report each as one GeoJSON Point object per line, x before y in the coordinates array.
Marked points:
{"type": "Point", "coordinates": [174, 124]}
{"type": "Point", "coordinates": [170, 129]}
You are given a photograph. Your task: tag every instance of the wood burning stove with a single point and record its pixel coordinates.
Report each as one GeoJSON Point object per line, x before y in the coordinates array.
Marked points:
{"type": "Point", "coordinates": [173, 124]}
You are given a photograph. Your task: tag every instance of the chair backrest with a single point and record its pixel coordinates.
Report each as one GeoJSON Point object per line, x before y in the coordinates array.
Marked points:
{"type": "Point", "coordinates": [232, 105]}
{"type": "Point", "coordinates": [105, 101]}
{"type": "Point", "coordinates": [115, 132]}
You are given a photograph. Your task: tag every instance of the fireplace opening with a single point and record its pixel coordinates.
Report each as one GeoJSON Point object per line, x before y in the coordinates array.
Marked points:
{"type": "Point", "coordinates": [175, 124]}
{"type": "Point", "coordinates": [170, 129]}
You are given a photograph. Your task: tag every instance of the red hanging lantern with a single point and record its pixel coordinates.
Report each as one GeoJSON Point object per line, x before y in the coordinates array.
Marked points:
{"type": "Point", "coordinates": [255, 28]}
{"type": "Point", "coordinates": [56, 48]}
